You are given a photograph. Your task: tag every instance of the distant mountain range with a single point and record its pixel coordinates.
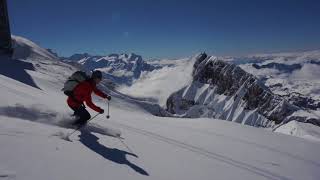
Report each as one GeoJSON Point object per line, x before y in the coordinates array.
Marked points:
{"type": "Point", "coordinates": [120, 68]}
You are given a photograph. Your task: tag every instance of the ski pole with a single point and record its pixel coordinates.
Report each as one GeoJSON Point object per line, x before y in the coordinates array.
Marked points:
{"type": "Point", "coordinates": [125, 145]}
{"type": "Point", "coordinates": [108, 115]}
{"type": "Point", "coordinates": [81, 126]}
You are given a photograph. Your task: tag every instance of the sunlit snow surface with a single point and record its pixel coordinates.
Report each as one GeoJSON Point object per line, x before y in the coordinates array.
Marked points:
{"type": "Point", "coordinates": [155, 147]}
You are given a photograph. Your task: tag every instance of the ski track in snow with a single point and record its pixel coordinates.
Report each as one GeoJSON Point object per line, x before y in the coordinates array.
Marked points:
{"type": "Point", "coordinates": [7, 175]}
{"type": "Point", "coordinates": [234, 139]}
{"type": "Point", "coordinates": [209, 154]}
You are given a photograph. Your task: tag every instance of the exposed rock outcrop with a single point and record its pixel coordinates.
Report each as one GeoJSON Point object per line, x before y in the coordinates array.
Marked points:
{"type": "Point", "coordinates": [225, 91]}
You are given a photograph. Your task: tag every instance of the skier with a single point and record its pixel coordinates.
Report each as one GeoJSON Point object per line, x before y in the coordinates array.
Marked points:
{"type": "Point", "coordinates": [82, 93]}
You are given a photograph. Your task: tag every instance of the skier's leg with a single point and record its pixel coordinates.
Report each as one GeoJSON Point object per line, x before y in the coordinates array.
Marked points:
{"type": "Point", "coordinates": [83, 116]}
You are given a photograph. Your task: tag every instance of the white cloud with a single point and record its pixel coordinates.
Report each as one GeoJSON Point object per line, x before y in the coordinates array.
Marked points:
{"type": "Point", "coordinates": [307, 72]}
{"type": "Point", "coordinates": [161, 83]}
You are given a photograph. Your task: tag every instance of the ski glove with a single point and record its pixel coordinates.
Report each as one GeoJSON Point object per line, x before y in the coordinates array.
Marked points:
{"type": "Point", "coordinates": [101, 111]}
{"type": "Point", "coordinates": [109, 98]}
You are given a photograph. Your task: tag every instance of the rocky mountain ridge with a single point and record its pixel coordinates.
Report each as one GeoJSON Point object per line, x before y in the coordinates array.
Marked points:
{"type": "Point", "coordinates": [223, 90]}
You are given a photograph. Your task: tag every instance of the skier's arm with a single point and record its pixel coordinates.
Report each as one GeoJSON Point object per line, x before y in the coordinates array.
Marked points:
{"type": "Point", "coordinates": [99, 93]}
{"type": "Point", "coordinates": [89, 103]}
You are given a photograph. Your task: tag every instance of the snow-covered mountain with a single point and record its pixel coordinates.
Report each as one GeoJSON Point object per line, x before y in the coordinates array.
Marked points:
{"type": "Point", "coordinates": [295, 76]}
{"type": "Point", "coordinates": [120, 68]}
{"type": "Point", "coordinates": [32, 107]}
{"type": "Point", "coordinates": [223, 90]}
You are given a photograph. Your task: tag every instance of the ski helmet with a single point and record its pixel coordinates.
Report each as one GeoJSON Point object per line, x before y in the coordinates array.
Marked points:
{"type": "Point", "coordinates": [96, 74]}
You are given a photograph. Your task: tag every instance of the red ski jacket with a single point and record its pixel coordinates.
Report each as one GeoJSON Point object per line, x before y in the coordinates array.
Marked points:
{"type": "Point", "coordinates": [82, 93]}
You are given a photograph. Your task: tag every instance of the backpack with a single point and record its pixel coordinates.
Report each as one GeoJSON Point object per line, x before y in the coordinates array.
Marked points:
{"type": "Point", "coordinates": [73, 81]}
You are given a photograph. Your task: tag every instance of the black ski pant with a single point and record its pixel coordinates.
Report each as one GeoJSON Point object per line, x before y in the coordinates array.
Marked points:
{"type": "Point", "coordinates": [82, 115]}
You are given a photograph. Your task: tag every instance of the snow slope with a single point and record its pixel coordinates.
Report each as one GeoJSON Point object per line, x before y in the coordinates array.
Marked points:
{"type": "Point", "coordinates": [304, 130]}
{"type": "Point", "coordinates": [161, 148]}
{"type": "Point", "coordinates": [24, 48]}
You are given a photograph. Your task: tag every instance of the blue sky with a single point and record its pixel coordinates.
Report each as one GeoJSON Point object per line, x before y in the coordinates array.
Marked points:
{"type": "Point", "coordinates": [168, 28]}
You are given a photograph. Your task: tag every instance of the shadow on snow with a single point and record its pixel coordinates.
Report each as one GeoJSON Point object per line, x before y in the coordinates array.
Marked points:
{"type": "Point", "coordinates": [16, 69]}
{"type": "Point", "coordinates": [112, 154]}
